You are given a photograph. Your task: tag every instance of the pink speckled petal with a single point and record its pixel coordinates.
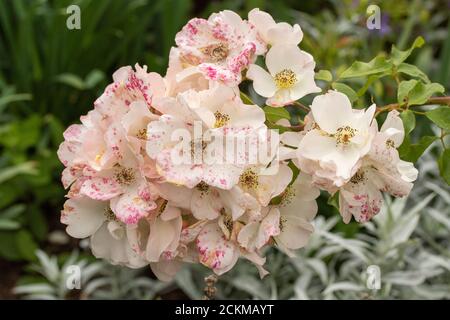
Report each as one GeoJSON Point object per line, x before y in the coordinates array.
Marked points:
{"type": "Point", "coordinates": [215, 251]}
{"type": "Point", "coordinates": [100, 188]}
{"type": "Point", "coordinates": [131, 206]}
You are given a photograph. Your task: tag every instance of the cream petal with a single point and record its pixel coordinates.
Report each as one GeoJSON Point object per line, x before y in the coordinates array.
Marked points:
{"type": "Point", "coordinates": [304, 86]}
{"type": "Point", "coordinates": [179, 196]}
{"type": "Point", "coordinates": [270, 186]}
{"type": "Point", "coordinates": [281, 98]}
{"type": "Point", "coordinates": [295, 232]}
{"type": "Point", "coordinates": [248, 116]}
{"type": "Point", "coordinates": [282, 57]}
{"type": "Point", "coordinates": [331, 111]}
{"type": "Point", "coordinates": [346, 161]}
{"type": "Point", "coordinates": [407, 171]}
{"type": "Point", "coordinates": [106, 247]}
{"type": "Point", "coordinates": [269, 227]}
{"type": "Point", "coordinates": [247, 235]}
{"type": "Point", "coordinates": [170, 212]}
{"type": "Point", "coordinates": [393, 121]}
{"type": "Point", "coordinates": [315, 145]}
{"type": "Point", "coordinates": [291, 139]}
{"type": "Point", "coordinates": [190, 233]}
{"type": "Point", "coordinates": [164, 235]}
{"type": "Point", "coordinates": [304, 189]}
{"type": "Point", "coordinates": [363, 120]}
{"type": "Point", "coordinates": [83, 216]}
{"type": "Point", "coordinates": [237, 202]}
{"type": "Point", "coordinates": [263, 82]}
{"type": "Point", "coordinates": [262, 21]}
{"type": "Point", "coordinates": [206, 204]}
{"type": "Point", "coordinates": [284, 34]}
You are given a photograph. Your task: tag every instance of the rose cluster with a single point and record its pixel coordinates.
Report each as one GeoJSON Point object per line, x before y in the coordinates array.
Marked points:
{"type": "Point", "coordinates": [178, 169]}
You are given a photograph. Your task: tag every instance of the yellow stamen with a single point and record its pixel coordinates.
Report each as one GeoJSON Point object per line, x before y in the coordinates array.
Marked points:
{"type": "Point", "coordinates": [285, 79]}
{"type": "Point", "coordinates": [249, 179]}
{"type": "Point", "coordinates": [222, 119]}
{"type": "Point", "coordinates": [343, 135]}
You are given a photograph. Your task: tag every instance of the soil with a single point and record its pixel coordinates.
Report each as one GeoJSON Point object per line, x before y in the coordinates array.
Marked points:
{"type": "Point", "coordinates": [10, 272]}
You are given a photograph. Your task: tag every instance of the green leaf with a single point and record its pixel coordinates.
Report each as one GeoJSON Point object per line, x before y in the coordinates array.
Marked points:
{"type": "Point", "coordinates": [440, 116]}
{"type": "Point", "coordinates": [368, 83]}
{"type": "Point", "coordinates": [93, 78]}
{"type": "Point", "coordinates": [11, 172]}
{"type": "Point", "coordinates": [378, 65]}
{"type": "Point", "coordinates": [398, 56]}
{"type": "Point", "coordinates": [37, 224]}
{"type": "Point", "coordinates": [26, 245]}
{"type": "Point", "coordinates": [13, 211]}
{"type": "Point", "coordinates": [7, 99]}
{"type": "Point", "coordinates": [56, 129]}
{"type": "Point", "coordinates": [71, 80]}
{"type": "Point", "coordinates": [422, 92]}
{"type": "Point", "coordinates": [444, 165]}
{"type": "Point", "coordinates": [6, 224]}
{"type": "Point", "coordinates": [413, 71]}
{"type": "Point", "coordinates": [8, 249]}
{"type": "Point", "coordinates": [334, 200]}
{"type": "Point", "coordinates": [246, 99]}
{"type": "Point", "coordinates": [324, 75]}
{"type": "Point", "coordinates": [403, 90]}
{"type": "Point", "coordinates": [414, 92]}
{"type": "Point", "coordinates": [22, 134]}
{"type": "Point", "coordinates": [412, 152]}
{"type": "Point", "coordinates": [409, 121]}
{"type": "Point", "coordinates": [345, 89]}
{"type": "Point", "coordinates": [275, 114]}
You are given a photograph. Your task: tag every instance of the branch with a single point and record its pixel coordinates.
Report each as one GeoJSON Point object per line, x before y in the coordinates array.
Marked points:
{"type": "Point", "coordinates": [433, 100]}
{"type": "Point", "coordinates": [301, 106]}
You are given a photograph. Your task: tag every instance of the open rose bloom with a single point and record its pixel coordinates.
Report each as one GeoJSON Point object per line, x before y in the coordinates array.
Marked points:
{"type": "Point", "coordinates": [175, 169]}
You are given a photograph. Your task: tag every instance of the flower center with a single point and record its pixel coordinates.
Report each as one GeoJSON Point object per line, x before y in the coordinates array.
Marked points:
{"type": "Point", "coordinates": [249, 179]}
{"type": "Point", "coordinates": [125, 176]}
{"type": "Point", "coordinates": [142, 134]}
{"type": "Point", "coordinates": [216, 52]}
{"type": "Point", "coordinates": [227, 220]}
{"type": "Point", "coordinates": [390, 143]}
{"type": "Point", "coordinates": [109, 215]}
{"type": "Point", "coordinates": [222, 119]}
{"type": "Point", "coordinates": [287, 196]}
{"type": "Point", "coordinates": [202, 187]}
{"type": "Point", "coordinates": [162, 207]}
{"type": "Point", "coordinates": [282, 223]}
{"type": "Point", "coordinates": [358, 177]}
{"type": "Point", "coordinates": [343, 135]}
{"type": "Point", "coordinates": [285, 79]}
{"type": "Point", "coordinates": [98, 157]}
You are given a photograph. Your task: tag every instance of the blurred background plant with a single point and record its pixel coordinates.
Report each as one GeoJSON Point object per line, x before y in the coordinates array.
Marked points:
{"type": "Point", "coordinates": [50, 75]}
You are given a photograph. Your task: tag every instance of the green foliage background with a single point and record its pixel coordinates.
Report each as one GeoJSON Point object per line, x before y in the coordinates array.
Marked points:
{"type": "Point", "coordinates": [50, 75]}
